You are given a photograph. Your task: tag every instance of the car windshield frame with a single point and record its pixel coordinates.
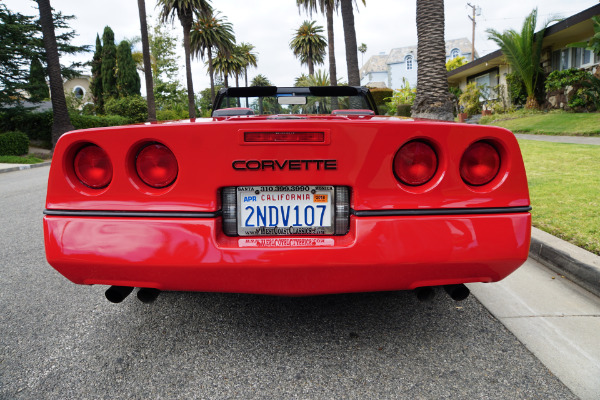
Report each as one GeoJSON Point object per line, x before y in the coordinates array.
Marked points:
{"type": "Point", "coordinates": [318, 100]}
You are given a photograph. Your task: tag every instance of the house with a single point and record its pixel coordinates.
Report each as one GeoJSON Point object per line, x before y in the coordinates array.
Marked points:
{"type": "Point", "coordinates": [390, 70]}
{"type": "Point", "coordinates": [79, 87]}
{"type": "Point", "coordinates": [491, 69]}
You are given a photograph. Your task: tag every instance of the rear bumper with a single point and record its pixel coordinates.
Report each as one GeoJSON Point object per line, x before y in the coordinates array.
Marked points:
{"type": "Point", "coordinates": [378, 254]}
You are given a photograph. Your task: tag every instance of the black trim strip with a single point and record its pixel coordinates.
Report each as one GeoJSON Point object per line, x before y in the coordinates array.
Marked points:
{"type": "Point", "coordinates": [438, 211]}
{"type": "Point", "coordinates": [215, 214]}
{"type": "Point", "coordinates": [132, 214]}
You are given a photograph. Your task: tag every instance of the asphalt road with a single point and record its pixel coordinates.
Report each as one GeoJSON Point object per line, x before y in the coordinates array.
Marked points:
{"type": "Point", "coordinates": [59, 340]}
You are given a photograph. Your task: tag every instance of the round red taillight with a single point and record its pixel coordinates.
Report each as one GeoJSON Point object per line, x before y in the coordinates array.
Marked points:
{"type": "Point", "coordinates": [156, 165]}
{"type": "Point", "coordinates": [479, 164]}
{"type": "Point", "coordinates": [415, 163]}
{"type": "Point", "coordinates": [93, 167]}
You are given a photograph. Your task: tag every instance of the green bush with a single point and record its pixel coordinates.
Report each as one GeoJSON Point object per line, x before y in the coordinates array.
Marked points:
{"type": "Point", "coordinates": [576, 78]}
{"type": "Point", "coordinates": [36, 125]}
{"type": "Point", "coordinates": [403, 110]}
{"type": "Point", "coordinates": [134, 108]}
{"type": "Point", "coordinates": [516, 90]}
{"type": "Point", "coordinates": [380, 95]}
{"type": "Point", "coordinates": [97, 121]}
{"type": "Point", "coordinates": [469, 100]}
{"type": "Point", "coordinates": [13, 144]}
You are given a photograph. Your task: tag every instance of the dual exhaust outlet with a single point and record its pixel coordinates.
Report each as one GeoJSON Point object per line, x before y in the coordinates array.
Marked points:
{"type": "Point", "coordinates": [116, 294]}
{"type": "Point", "coordinates": [456, 292]}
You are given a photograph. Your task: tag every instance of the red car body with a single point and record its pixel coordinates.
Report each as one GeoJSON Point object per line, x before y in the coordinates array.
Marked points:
{"type": "Point", "coordinates": [397, 236]}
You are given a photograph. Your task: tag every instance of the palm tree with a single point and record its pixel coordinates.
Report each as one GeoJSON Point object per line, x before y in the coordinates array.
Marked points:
{"type": "Point", "coordinates": [147, 64]}
{"type": "Point", "coordinates": [227, 65]}
{"type": "Point", "coordinates": [61, 121]}
{"type": "Point", "coordinates": [211, 33]}
{"type": "Point", "coordinates": [523, 52]}
{"type": "Point", "coordinates": [260, 80]}
{"type": "Point", "coordinates": [350, 41]}
{"type": "Point", "coordinates": [249, 58]}
{"type": "Point", "coordinates": [363, 49]}
{"type": "Point", "coordinates": [309, 45]}
{"type": "Point", "coordinates": [433, 99]}
{"type": "Point", "coordinates": [185, 10]}
{"type": "Point", "coordinates": [326, 7]}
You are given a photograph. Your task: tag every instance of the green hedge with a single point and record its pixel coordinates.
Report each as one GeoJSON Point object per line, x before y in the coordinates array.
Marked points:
{"type": "Point", "coordinates": [380, 95]}
{"type": "Point", "coordinates": [38, 125]}
{"type": "Point", "coordinates": [13, 144]}
{"type": "Point", "coordinates": [97, 121]}
{"type": "Point", "coordinates": [134, 108]}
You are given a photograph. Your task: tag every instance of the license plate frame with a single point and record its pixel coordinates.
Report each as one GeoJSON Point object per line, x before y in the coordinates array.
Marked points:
{"type": "Point", "coordinates": [288, 207]}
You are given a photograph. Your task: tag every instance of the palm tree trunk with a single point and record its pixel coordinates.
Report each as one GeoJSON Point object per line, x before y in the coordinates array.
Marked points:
{"type": "Point", "coordinates": [350, 41]}
{"type": "Point", "coordinates": [147, 65]}
{"type": "Point", "coordinates": [433, 100]}
{"type": "Point", "coordinates": [186, 23]}
{"type": "Point", "coordinates": [311, 67]}
{"type": "Point", "coordinates": [331, 49]}
{"type": "Point", "coordinates": [61, 122]}
{"type": "Point", "coordinates": [246, 75]}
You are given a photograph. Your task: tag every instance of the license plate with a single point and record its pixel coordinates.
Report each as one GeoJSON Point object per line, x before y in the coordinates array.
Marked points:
{"type": "Point", "coordinates": [285, 210]}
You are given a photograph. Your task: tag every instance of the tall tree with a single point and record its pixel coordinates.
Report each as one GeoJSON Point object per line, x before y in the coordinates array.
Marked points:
{"type": "Point", "coordinates": [21, 41]}
{"type": "Point", "coordinates": [309, 45]}
{"type": "Point", "coordinates": [96, 84]}
{"type": "Point", "coordinates": [37, 86]}
{"type": "Point", "coordinates": [61, 122]}
{"type": "Point", "coordinates": [227, 65]}
{"type": "Point", "coordinates": [211, 33]}
{"type": "Point", "coordinates": [523, 51]}
{"type": "Point", "coordinates": [433, 99]}
{"type": "Point", "coordinates": [350, 41]}
{"type": "Point", "coordinates": [147, 65]}
{"type": "Point", "coordinates": [109, 65]}
{"type": "Point", "coordinates": [163, 54]}
{"type": "Point", "coordinates": [249, 58]}
{"type": "Point", "coordinates": [185, 10]}
{"type": "Point", "coordinates": [128, 80]}
{"type": "Point", "coordinates": [326, 7]}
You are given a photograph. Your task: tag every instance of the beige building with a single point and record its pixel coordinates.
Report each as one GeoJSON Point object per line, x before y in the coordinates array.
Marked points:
{"type": "Point", "coordinates": [80, 88]}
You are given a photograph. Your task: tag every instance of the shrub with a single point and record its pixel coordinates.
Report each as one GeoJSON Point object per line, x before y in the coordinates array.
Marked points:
{"type": "Point", "coordinates": [97, 121]}
{"type": "Point", "coordinates": [516, 90]}
{"type": "Point", "coordinates": [380, 95]}
{"type": "Point", "coordinates": [134, 108]}
{"type": "Point", "coordinates": [14, 144]}
{"type": "Point", "coordinates": [469, 100]}
{"type": "Point", "coordinates": [576, 78]}
{"type": "Point", "coordinates": [36, 125]}
{"type": "Point", "coordinates": [403, 110]}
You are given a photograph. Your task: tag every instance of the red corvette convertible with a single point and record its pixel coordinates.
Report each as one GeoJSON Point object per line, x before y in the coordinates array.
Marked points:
{"type": "Point", "coordinates": [287, 191]}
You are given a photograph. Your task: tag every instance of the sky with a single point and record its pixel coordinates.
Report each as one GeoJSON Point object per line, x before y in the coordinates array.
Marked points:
{"type": "Point", "coordinates": [270, 24]}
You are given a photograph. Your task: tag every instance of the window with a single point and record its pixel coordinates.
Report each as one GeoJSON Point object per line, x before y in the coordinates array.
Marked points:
{"type": "Point", "coordinates": [79, 92]}
{"type": "Point", "coordinates": [409, 62]}
{"type": "Point", "coordinates": [454, 53]}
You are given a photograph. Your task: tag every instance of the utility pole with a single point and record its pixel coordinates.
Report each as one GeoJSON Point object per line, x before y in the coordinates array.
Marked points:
{"type": "Point", "coordinates": [476, 11]}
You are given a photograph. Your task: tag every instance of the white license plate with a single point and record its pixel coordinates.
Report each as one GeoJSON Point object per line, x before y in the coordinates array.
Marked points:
{"type": "Point", "coordinates": [285, 210]}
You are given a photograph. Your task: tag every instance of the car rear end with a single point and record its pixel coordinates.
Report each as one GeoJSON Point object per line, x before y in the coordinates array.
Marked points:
{"type": "Point", "coordinates": [274, 205]}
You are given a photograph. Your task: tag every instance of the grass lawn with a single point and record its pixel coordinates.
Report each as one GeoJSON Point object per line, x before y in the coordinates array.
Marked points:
{"type": "Point", "coordinates": [564, 185]}
{"type": "Point", "coordinates": [552, 123]}
{"type": "Point", "coordinates": [20, 160]}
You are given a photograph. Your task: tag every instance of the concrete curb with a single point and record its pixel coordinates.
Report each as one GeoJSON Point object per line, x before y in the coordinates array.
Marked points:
{"type": "Point", "coordinates": [575, 263]}
{"type": "Point", "coordinates": [25, 166]}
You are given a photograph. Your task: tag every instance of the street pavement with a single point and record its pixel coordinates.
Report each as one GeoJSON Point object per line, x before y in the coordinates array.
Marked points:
{"type": "Point", "coordinates": [59, 340]}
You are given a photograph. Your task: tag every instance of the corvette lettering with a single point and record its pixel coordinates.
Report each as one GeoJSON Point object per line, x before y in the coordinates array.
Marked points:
{"type": "Point", "coordinates": [290, 165]}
